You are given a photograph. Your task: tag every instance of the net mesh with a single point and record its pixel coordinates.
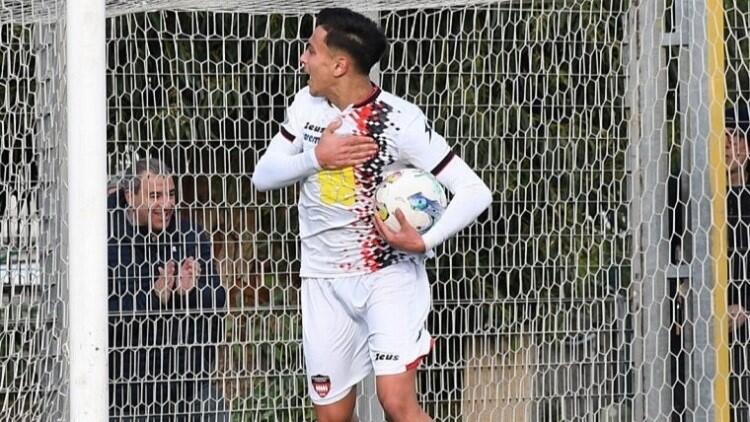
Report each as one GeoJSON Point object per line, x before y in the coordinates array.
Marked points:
{"type": "Point", "coordinates": [552, 143]}
{"type": "Point", "coordinates": [32, 220]}
{"type": "Point", "coordinates": [575, 297]}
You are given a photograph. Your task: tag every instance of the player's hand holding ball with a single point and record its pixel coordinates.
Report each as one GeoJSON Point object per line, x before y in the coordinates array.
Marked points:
{"type": "Point", "coordinates": [409, 202]}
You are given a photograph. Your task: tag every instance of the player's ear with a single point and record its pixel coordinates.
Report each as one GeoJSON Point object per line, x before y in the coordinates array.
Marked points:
{"type": "Point", "coordinates": [342, 65]}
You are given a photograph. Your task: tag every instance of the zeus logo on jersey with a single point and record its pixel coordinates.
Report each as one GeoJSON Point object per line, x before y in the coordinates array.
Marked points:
{"type": "Point", "coordinates": [385, 356]}
{"type": "Point", "coordinates": [312, 133]}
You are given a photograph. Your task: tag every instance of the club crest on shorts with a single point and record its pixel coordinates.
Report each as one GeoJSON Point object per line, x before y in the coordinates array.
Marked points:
{"type": "Point", "coordinates": [321, 384]}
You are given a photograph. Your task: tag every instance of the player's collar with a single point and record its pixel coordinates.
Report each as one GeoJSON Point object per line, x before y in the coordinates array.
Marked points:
{"type": "Point", "coordinates": [371, 97]}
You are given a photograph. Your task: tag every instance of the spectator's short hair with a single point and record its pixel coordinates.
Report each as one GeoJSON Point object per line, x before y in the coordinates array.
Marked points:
{"type": "Point", "coordinates": [131, 179]}
{"type": "Point", "coordinates": [737, 117]}
{"type": "Point", "coordinates": [113, 183]}
{"type": "Point", "coordinates": [355, 34]}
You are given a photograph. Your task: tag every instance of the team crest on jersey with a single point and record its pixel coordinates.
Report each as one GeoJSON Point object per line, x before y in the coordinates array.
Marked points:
{"type": "Point", "coordinates": [321, 384]}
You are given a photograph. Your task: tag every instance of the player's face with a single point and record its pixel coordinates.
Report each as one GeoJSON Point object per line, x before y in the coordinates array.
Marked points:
{"type": "Point", "coordinates": [735, 150]}
{"type": "Point", "coordinates": [319, 63]}
{"type": "Point", "coordinates": [154, 202]}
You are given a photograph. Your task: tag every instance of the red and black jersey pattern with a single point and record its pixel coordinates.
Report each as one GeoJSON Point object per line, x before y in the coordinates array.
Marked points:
{"type": "Point", "coordinates": [374, 119]}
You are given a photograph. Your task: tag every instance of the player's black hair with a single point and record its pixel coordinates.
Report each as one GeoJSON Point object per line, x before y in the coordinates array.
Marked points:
{"type": "Point", "coordinates": [355, 34]}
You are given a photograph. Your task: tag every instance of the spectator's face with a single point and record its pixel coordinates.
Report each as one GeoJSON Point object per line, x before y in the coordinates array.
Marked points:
{"type": "Point", "coordinates": [319, 63]}
{"type": "Point", "coordinates": [154, 202]}
{"type": "Point", "coordinates": [735, 150]}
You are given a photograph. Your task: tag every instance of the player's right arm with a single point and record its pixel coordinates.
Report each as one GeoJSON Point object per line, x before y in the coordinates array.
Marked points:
{"type": "Point", "coordinates": [286, 161]}
{"type": "Point", "coordinates": [283, 164]}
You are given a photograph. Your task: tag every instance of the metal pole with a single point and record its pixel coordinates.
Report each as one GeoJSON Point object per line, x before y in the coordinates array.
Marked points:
{"type": "Point", "coordinates": [87, 226]}
{"type": "Point", "coordinates": [654, 394]}
{"type": "Point", "coordinates": [709, 270]}
{"type": "Point", "coordinates": [636, 219]}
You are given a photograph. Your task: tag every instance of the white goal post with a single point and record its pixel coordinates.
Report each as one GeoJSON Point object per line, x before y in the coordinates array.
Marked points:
{"type": "Point", "coordinates": [85, 55]}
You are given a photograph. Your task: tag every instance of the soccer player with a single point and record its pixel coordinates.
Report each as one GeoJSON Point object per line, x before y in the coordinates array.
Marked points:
{"type": "Point", "coordinates": [365, 292]}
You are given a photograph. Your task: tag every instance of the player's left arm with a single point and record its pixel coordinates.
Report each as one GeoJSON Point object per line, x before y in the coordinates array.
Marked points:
{"type": "Point", "coordinates": [428, 150]}
{"type": "Point", "coordinates": [471, 197]}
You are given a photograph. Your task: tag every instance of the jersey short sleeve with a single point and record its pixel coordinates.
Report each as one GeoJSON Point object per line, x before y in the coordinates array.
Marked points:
{"type": "Point", "coordinates": [422, 147]}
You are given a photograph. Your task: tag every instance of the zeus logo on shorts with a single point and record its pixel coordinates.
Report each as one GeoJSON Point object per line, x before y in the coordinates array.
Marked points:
{"type": "Point", "coordinates": [322, 384]}
{"type": "Point", "coordinates": [385, 356]}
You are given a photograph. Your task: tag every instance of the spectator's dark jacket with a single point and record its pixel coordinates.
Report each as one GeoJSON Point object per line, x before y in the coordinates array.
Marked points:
{"type": "Point", "coordinates": [159, 353]}
{"type": "Point", "coordinates": [738, 223]}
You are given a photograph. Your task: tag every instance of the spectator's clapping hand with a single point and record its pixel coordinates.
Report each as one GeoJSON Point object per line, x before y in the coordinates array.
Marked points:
{"type": "Point", "coordinates": [164, 284]}
{"type": "Point", "coordinates": [190, 270]}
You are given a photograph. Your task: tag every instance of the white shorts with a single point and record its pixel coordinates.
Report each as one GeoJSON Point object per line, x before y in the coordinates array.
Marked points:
{"type": "Point", "coordinates": [354, 325]}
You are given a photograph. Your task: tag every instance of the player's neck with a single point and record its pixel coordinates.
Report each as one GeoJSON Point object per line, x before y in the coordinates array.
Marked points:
{"type": "Point", "coordinates": [354, 91]}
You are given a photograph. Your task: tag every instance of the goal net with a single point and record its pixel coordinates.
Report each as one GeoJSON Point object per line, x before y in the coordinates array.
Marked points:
{"type": "Point", "coordinates": [586, 292]}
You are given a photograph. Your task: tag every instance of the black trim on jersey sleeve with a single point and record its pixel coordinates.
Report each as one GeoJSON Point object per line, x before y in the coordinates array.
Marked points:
{"type": "Point", "coordinates": [444, 162]}
{"type": "Point", "coordinates": [285, 133]}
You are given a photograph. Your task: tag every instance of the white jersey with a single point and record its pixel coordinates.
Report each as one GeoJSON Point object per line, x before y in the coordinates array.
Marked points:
{"type": "Point", "coordinates": [336, 207]}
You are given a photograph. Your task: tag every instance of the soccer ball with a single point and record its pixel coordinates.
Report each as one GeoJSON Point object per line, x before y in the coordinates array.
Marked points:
{"type": "Point", "coordinates": [418, 194]}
